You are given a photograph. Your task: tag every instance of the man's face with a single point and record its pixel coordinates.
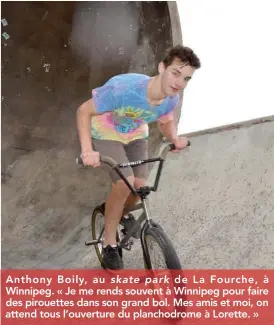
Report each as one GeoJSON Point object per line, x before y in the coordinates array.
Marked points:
{"type": "Point", "coordinates": [175, 77]}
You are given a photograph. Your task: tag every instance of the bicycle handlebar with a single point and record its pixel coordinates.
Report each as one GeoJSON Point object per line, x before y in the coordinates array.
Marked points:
{"type": "Point", "coordinates": [145, 190]}
{"type": "Point", "coordinates": [112, 163]}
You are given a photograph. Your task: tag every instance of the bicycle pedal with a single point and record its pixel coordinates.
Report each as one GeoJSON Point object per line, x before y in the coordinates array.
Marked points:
{"type": "Point", "coordinates": [129, 223]}
{"type": "Point", "coordinates": [92, 242]}
{"type": "Point", "coordinates": [129, 244]}
{"type": "Point", "coordinates": [124, 231]}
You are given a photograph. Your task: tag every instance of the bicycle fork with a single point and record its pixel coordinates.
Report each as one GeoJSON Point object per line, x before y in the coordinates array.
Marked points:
{"type": "Point", "coordinates": [146, 209]}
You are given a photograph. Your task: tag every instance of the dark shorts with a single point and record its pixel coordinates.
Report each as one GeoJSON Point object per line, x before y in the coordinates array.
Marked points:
{"type": "Point", "coordinates": [123, 153]}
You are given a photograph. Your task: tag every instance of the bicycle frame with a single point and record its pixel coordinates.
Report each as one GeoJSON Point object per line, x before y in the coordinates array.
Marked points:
{"type": "Point", "coordinates": [142, 192]}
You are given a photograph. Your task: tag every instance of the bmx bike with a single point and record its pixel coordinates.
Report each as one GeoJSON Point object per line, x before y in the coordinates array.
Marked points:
{"type": "Point", "coordinates": [151, 234]}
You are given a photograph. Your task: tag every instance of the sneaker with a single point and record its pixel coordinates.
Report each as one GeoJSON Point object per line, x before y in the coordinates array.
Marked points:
{"type": "Point", "coordinates": [111, 258]}
{"type": "Point", "coordinates": [129, 222]}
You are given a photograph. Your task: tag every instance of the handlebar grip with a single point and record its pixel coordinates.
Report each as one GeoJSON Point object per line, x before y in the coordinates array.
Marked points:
{"type": "Point", "coordinates": [172, 146]}
{"type": "Point", "coordinates": [79, 161]}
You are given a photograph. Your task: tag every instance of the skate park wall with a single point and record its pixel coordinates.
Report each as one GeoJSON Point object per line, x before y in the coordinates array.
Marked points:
{"type": "Point", "coordinates": [53, 54]}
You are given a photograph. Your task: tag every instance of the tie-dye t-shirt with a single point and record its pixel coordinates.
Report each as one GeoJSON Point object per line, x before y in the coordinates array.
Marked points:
{"type": "Point", "coordinates": [124, 110]}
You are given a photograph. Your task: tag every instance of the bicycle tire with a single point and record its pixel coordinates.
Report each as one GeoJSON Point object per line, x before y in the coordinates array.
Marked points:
{"type": "Point", "coordinates": [166, 246]}
{"type": "Point", "coordinates": [98, 210]}
{"type": "Point", "coordinates": [171, 258]}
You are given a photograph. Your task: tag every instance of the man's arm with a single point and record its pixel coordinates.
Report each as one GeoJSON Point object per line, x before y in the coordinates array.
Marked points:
{"type": "Point", "coordinates": [83, 117]}
{"type": "Point", "coordinates": [168, 129]}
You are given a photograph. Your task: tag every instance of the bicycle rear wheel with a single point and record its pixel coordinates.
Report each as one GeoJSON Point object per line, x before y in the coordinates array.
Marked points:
{"type": "Point", "coordinates": [98, 231]}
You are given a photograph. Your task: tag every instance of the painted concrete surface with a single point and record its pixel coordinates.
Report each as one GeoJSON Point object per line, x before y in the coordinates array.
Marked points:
{"type": "Point", "coordinates": [216, 199]}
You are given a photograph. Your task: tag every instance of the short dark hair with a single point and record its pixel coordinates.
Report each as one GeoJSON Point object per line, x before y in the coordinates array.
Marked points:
{"type": "Point", "coordinates": [183, 53]}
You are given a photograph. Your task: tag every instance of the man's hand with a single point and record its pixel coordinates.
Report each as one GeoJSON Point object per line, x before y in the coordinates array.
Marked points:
{"type": "Point", "coordinates": [180, 143]}
{"type": "Point", "coordinates": [91, 158]}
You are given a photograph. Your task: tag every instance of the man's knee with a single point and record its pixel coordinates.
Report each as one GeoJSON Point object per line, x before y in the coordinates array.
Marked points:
{"type": "Point", "coordinates": [139, 182]}
{"type": "Point", "coordinates": [121, 188]}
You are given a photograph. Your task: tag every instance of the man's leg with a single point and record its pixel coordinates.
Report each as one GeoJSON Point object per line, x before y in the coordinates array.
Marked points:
{"type": "Point", "coordinates": [115, 201]}
{"type": "Point", "coordinates": [114, 209]}
{"type": "Point", "coordinates": [132, 199]}
{"type": "Point", "coordinates": [137, 150]}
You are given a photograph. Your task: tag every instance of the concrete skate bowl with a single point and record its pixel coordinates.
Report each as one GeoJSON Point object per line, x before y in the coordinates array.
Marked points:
{"type": "Point", "coordinates": [55, 53]}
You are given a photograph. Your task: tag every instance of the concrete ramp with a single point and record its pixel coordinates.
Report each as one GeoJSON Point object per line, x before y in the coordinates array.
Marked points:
{"type": "Point", "coordinates": [216, 199]}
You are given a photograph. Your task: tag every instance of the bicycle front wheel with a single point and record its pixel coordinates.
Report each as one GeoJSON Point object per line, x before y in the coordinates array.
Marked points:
{"type": "Point", "coordinates": [159, 252]}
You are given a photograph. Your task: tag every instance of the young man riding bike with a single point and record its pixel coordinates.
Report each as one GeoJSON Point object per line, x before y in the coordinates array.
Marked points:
{"type": "Point", "coordinates": [114, 122]}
